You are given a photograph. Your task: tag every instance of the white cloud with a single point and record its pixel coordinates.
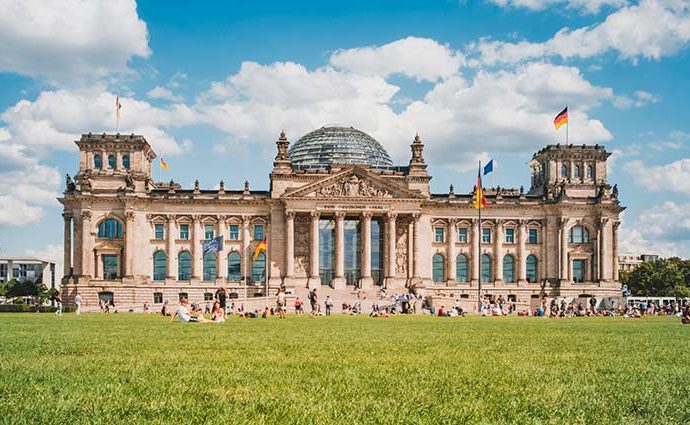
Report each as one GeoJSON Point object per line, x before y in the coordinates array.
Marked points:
{"type": "Point", "coordinates": [24, 193]}
{"type": "Point", "coordinates": [160, 92]}
{"type": "Point", "coordinates": [640, 98]}
{"type": "Point", "coordinates": [673, 177]}
{"type": "Point", "coordinates": [650, 30]}
{"type": "Point", "coordinates": [419, 58]}
{"type": "Point", "coordinates": [64, 40]}
{"type": "Point", "coordinates": [586, 6]}
{"type": "Point", "coordinates": [662, 229]}
{"type": "Point", "coordinates": [51, 252]}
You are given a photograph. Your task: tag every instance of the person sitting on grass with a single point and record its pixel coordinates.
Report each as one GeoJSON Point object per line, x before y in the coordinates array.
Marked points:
{"type": "Point", "coordinates": [686, 316]}
{"type": "Point", "coordinates": [184, 314]}
{"type": "Point", "coordinates": [217, 313]}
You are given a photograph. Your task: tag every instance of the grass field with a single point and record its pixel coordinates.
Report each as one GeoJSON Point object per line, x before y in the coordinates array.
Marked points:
{"type": "Point", "coordinates": [131, 368]}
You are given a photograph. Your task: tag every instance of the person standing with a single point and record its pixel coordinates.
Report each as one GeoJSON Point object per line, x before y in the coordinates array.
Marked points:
{"type": "Point", "coordinates": [221, 296]}
{"type": "Point", "coordinates": [58, 303]}
{"type": "Point", "coordinates": [281, 303]}
{"type": "Point", "coordinates": [77, 302]}
{"type": "Point", "coordinates": [329, 305]}
{"type": "Point", "coordinates": [314, 302]}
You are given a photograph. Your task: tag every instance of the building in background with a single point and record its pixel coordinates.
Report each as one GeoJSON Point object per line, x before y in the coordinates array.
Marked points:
{"type": "Point", "coordinates": [628, 262]}
{"type": "Point", "coordinates": [23, 269]}
{"type": "Point", "coordinates": [338, 215]}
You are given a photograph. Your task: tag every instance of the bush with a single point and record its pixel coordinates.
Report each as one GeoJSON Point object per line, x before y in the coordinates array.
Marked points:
{"type": "Point", "coordinates": [25, 308]}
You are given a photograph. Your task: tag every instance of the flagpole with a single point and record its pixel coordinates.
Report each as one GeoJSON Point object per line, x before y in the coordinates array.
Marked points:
{"type": "Point", "coordinates": [479, 255]}
{"type": "Point", "coordinates": [567, 126]}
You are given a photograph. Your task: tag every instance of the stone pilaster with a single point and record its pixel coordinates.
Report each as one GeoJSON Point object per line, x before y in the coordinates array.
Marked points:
{"type": "Point", "coordinates": [390, 248]}
{"type": "Point", "coordinates": [289, 244]}
{"type": "Point", "coordinates": [197, 252]}
{"type": "Point", "coordinates": [605, 253]}
{"type": "Point", "coordinates": [498, 252]}
{"type": "Point", "coordinates": [222, 261]}
{"type": "Point", "coordinates": [339, 280]}
{"type": "Point", "coordinates": [366, 280]}
{"type": "Point", "coordinates": [564, 266]}
{"type": "Point", "coordinates": [246, 254]}
{"type": "Point", "coordinates": [416, 251]}
{"type": "Point", "coordinates": [67, 245]}
{"type": "Point", "coordinates": [172, 254]}
{"type": "Point", "coordinates": [522, 252]}
{"type": "Point", "coordinates": [452, 236]}
{"type": "Point", "coordinates": [476, 260]}
{"type": "Point", "coordinates": [614, 253]}
{"type": "Point", "coordinates": [314, 277]}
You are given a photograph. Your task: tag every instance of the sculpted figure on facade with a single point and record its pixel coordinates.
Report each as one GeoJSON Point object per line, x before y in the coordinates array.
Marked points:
{"type": "Point", "coordinates": [352, 187]}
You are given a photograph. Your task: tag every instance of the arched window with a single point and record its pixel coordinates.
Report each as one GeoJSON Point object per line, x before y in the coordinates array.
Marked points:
{"type": "Point", "coordinates": [578, 234]}
{"type": "Point", "coordinates": [160, 266]}
{"type": "Point", "coordinates": [531, 268]}
{"type": "Point", "coordinates": [210, 266]}
{"type": "Point", "coordinates": [184, 266]}
{"type": "Point", "coordinates": [508, 269]}
{"type": "Point", "coordinates": [576, 171]}
{"type": "Point", "coordinates": [111, 161]}
{"type": "Point", "coordinates": [125, 162]}
{"type": "Point", "coordinates": [438, 268]}
{"type": "Point", "coordinates": [589, 172]}
{"type": "Point", "coordinates": [461, 274]}
{"type": "Point", "coordinates": [564, 170]}
{"type": "Point", "coordinates": [234, 267]}
{"type": "Point", "coordinates": [97, 162]}
{"type": "Point", "coordinates": [259, 268]}
{"type": "Point", "coordinates": [110, 229]}
{"type": "Point", "coordinates": [486, 268]}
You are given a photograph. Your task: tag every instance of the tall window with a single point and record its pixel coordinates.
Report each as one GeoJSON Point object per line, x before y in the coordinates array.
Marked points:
{"type": "Point", "coordinates": [210, 266]}
{"type": "Point", "coordinates": [508, 269]}
{"type": "Point", "coordinates": [158, 298]}
{"type": "Point", "coordinates": [589, 172]}
{"type": "Point", "coordinates": [184, 266]}
{"type": "Point", "coordinates": [160, 266]}
{"type": "Point", "coordinates": [461, 269]}
{"type": "Point", "coordinates": [125, 162]}
{"type": "Point", "coordinates": [462, 235]}
{"type": "Point", "coordinates": [326, 250]}
{"type": "Point", "coordinates": [234, 267]}
{"type": "Point", "coordinates": [159, 232]}
{"type": "Point", "coordinates": [110, 229]}
{"type": "Point", "coordinates": [258, 232]}
{"type": "Point", "coordinates": [532, 236]}
{"type": "Point", "coordinates": [576, 171]}
{"type": "Point", "coordinates": [439, 268]}
{"type": "Point", "coordinates": [259, 268]}
{"type": "Point", "coordinates": [564, 170]}
{"type": "Point", "coordinates": [510, 235]}
{"type": "Point", "coordinates": [531, 268]}
{"type": "Point", "coordinates": [184, 231]}
{"type": "Point", "coordinates": [438, 234]}
{"type": "Point", "coordinates": [486, 268]}
{"type": "Point", "coordinates": [110, 267]}
{"type": "Point", "coordinates": [112, 163]}
{"type": "Point", "coordinates": [578, 234]}
{"type": "Point", "coordinates": [97, 162]}
{"type": "Point", "coordinates": [376, 251]}
{"type": "Point", "coordinates": [486, 235]}
{"type": "Point", "coordinates": [209, 231]}
{"type": "Point", "coordinates": [234, 231]}
{"type": "Point", "coordinates": [579, 267]}
{"type": "Point", "coordinates": [352, 251]}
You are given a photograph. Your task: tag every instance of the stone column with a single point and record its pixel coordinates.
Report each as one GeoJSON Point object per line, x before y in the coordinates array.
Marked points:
{"type": "Point", "coordinates": [87, 257]}
{"type": "Point", "coordinates": [339, 280]}
{"type": "Point", "coordinates": [172, 254]}
{"type": "Point", "coordinates": [522, 253]}
{"type": "Point", "coordinates": [417, 246]}
{"type": "Point", "coordinates": [246, 255]}
{"type": "Point", "coordinates": [222, 272]}
{"type": "Point", "coordinates": [366, 280]}
{"type": "Point", "coordinates": [67, 245]}
{"type": "Point", "coordinates": [614, 242]}
{"type": "Point", "coordinates": [476, 265]}
{"type": "Point", "coordinates": [197, 252]}
{"type": "Point", "coordinates": [498, 252]}
{"type": "Point", "coordinates": [390, 269]}
{"type": "Point", "coordinates": [129, 244]}
{"type": "Point", "coordinates": [289, 244]}
{"type": "Point", "coordinates": [564, 266]}
{"type": "Point", "coordinates": [451, 265]}
{"type": "Point", "coordinates": [314, 277]}
{"type": "Point", "coordinates": [605, 254]}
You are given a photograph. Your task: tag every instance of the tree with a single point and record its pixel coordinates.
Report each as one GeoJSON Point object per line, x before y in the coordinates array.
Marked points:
{"type": "Point", "coordinates": [662, 278]}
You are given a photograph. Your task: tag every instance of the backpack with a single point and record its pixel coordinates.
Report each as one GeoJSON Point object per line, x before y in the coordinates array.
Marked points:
{"type": "Point", "coordinates": [311, 296]}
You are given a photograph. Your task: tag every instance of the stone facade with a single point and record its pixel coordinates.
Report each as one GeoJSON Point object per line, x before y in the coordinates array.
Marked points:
{"type": "Point", "coordinates": [337, 227]}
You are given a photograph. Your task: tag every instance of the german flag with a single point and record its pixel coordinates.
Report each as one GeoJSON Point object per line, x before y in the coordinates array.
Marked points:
{"type": "Point", "coordinates": [479, 198]}
{"type": "Point", "coordinates": [164, 165]}
{"type": "Point", "coordinates": [260, 247]}
{"type": "Point", "coordinates": [561, 118]}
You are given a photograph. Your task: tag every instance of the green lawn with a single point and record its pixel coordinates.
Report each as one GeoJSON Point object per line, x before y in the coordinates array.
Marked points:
{"type": "Point", "coordinates": [131, 368]}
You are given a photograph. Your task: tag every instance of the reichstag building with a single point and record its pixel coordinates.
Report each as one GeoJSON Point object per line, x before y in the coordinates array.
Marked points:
{"type": "Point", "coordinates": [338, 215]}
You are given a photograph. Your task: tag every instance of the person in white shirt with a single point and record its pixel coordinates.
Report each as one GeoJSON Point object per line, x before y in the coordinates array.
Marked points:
{"type": "Point", "coordinates": [184, 315]}
{"type": "Point", "coordinates": [77, 301]}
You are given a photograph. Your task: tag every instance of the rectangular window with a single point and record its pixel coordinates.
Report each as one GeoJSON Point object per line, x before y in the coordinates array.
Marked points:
{"type": "Point", "coordinates": [579, 270]}
{"type": "Point", "coordinates": [110, 267]}
{"type": "Point", "coordinates": [510, 236]}
{"type": "Point", "coordinates": [438, 234]}
{"type": "Point", "coordinates": [159, 232]}
{"type": "Point", "coordinates": [486, 235]}
{"type": "Point", "coordinates": [258, 232]}
{"type": "Point", "coordinates": [184, 231]}
{"type": "Point", "coordinates": [209, 231]}
{"type": "Point", "coordinates": [532, 236]}
{"type": "Point", "coordinates": [234, 232]}
{"type": "Point", "coordinates": [462, 235]}
{"type": "Point", "coordinates": [158, 298]}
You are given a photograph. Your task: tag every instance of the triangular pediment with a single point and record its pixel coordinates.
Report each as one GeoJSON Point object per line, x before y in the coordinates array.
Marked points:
{"type": "Point", "coordinates": [355, 182]}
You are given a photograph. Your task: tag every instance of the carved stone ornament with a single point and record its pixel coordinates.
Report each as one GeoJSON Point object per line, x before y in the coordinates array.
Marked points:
{"type": "Point", "coordinates": [86, 215]}
{"type": "Point", "coordinates": [129, 215]}
{"type": "Point", "coordinates": [352, 187]}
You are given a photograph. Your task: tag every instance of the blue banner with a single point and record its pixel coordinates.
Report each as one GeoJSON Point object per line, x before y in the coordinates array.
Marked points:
{"type": "Point", "coordinates": [489, 167]}
{"type": "Point", "coordinates": [213, 245]}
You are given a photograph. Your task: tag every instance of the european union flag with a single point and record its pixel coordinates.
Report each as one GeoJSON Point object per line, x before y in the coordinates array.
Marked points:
{"type": "Point", "coordinates": [213, 245]}
{"type": "Point", "coordinates": [489, 167]}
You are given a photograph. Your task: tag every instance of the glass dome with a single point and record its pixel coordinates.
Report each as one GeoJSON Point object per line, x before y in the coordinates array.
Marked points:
{"type": "Point", "coordinates": [338, 145]}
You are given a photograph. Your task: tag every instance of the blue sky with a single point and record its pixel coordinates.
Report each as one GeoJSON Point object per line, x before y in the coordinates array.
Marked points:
{"type": "Point", "coordinates": [212, 84]}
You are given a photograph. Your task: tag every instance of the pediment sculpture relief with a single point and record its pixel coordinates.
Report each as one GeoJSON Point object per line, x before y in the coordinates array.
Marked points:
{"type": "Point", "coordinates": [352, 186]}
